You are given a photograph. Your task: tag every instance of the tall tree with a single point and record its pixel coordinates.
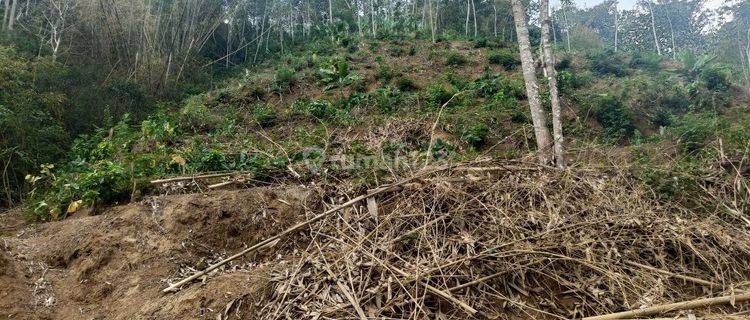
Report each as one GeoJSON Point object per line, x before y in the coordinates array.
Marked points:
{"type": "Point", "coordinates": [653, 26]}
{"type": "Point", "coordinates": [549, 67]}
{"type": "Point", "coordinates": [538, 116]}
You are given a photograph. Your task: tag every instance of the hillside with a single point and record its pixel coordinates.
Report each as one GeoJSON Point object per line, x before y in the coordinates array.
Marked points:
{"type": "Point", "coordinates": [652, 209]}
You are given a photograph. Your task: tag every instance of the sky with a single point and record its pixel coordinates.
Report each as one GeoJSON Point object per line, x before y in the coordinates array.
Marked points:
{"type": "Point", "coordinates": [627, 4]}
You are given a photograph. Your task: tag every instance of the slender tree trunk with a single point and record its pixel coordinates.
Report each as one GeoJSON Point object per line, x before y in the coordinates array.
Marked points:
{"type": "Point", "coordinates": [474, 10]}
{"type": "Point", "coordinates": [532, 87]}
{"type": "Point", "coordinates": [549, 66]}
{"type": "Point", "coordinates": [12, 15]}
{"type": "Point", "coordinates": [653, 27]}
{"type": "Point", "coordinates": [5, 14]}
{"type": "Point", "coordinates": [567, 27]}
{"type": "Point", "coordinates": [617, 26]}
{"type": "Point", "coordinates": [330, 12]}
{"type": "Point", "coordinates": [468, 12]}
{"type": "Point", "coordinates": [432, 21]}
{"type": "Point", "coordinates": [494, 16]}
{"type": "Point", "coordinates": [372, 17]}
{"type": "Point", "coordinates": [674, 44]}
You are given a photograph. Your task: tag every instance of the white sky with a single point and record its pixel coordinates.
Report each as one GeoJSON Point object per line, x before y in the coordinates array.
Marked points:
{"type": "Point", "coordinates": [629, 4]}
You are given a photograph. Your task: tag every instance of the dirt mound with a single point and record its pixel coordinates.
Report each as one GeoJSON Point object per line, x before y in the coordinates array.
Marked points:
{"type": "Point", "coordinates": [114, 265]}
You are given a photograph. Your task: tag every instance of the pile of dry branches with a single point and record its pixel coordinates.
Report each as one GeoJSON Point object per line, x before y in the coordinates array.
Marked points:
{"type": "Point", "coordinates": [510, 243]}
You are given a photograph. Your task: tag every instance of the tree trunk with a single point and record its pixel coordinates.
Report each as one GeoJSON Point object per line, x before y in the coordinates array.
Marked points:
{"type": "Point", "coordinates": [653, 27]}
{"type": "Point", "coordinates": [372, 17]}
{"type": "Point", "coordinates": [617, 26]}
{"type": "Point", "coordinates": [432, 21]}
{"type": "Point", "coordinates": [330, 12]}
{"type": "Point", "coordinates": [5, 14]}
{"type": "Point", "coordinates": [12, 15]}
{"type": "Point", "coordinates": [494, 15]}
{"type": "Point", "coordinates": [532, 88]}
{"type": "Point", "coordinates": [549, 66]}
{"type": "Point", "coordinates": [468, 14]}
{"type": "Point", "coordinates": [474, 10]}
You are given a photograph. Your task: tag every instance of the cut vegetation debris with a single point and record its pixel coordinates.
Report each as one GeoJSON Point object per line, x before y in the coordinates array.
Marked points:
{"type": "Point", "coordinates": [490, 239]}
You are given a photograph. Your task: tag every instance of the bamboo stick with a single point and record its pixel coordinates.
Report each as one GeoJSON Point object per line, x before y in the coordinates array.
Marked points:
{"type": "Point", "coordinates": [692, 304]}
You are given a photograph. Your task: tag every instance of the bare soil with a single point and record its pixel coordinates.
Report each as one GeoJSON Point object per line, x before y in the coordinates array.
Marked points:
{"type": "Point", "coordinates": [114, 265]}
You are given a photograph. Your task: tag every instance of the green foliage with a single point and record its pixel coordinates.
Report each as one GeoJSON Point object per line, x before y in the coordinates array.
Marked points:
{"type": "Point", "coordinates": [499, 87]}
{"type": "Point", "coordinates": [386, 73]}
{"type": "Point", "coordinates": [615, 118]}
{"type": "Point", "coordinates": [264, 114]}
{"type": "Point", "coordinates": [32, 131]}
{"type": "Point", "coordinates": [387, 99]}
{"type": "Point", "coordinates": [338, 75]}
{"type": "Point", "coordinates": [437, 95]}
{"type": "Point", "coordinates": [506, 58]}
{"type": "Point", "coordinates": [284, 78]}
{"type": "Point", "coordinates": [455, 59]}
{"type": "Point", "coordinates": [647, 61]}
{"type": "Point", "coordinates": [475, 135]}
{"type": "Point", "coordinates": [319, 109]}
{"type": "Point", "coordinates": [608, 63]}
{"type": "Point", "coordinates": [404, 83]}
{"type": "Point", "coordinates": [692, 131]}
{"type": "Point", "coordinates": [196, 117]}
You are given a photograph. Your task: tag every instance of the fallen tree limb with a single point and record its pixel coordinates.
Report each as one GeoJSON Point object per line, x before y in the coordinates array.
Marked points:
{"type": "Point", "coordinates": [692, 304]}
{"type": "Point", "coordinates": [176, 286]}
{"type": "Point", "coordinates": [198, 177]}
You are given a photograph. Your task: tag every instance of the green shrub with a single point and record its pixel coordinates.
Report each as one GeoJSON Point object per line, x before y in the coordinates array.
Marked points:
{"type": "Point", "coordinates": [404, 83]}
{"type": "Point", "coordinates": [386, 73]}
{"type": "Point", "coordinates": [319, 109]}
{"type": "Point", "coordinates": [455, 59]}
{"type": "Point", "coordinates": [507, 58]}
{"type": "Point", "coordinates": [264, 114]}
{"type": "Point", "coordinates": [716, 78]}
{"type": "Point", "coordinates": [475, 135]}
{"type": "Point", "coordinates": [284, 78]}
{"type": "Point", "coordinates": [196, 117]}
{"type": "Point", "coordinates": [386, 99]}
{"type": "Point", "coordinates": [608, 62]}
{"type": "Point", "coordinates": [645, 61]}
{"type": "Point", "coordinates": [437, 95]}
{"type": "Point", "coordinates": [615, 118]}
{"type": "Point", "coordinates": [489, 86]}
{"type": "Point", "coordinates": [693, 130]}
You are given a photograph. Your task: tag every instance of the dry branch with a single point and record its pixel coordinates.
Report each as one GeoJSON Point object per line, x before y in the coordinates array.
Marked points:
{"type": "Point", "coordinates": [692, 304]}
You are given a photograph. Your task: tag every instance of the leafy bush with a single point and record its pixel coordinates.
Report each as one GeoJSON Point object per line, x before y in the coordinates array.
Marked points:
{"type": "Point", "coordinates": [499, 87]}
{"type": "Point", "coordinates": [475, 135]}
{"type": "Point", "coordinates": [608, 62]}
{"type": "Point", "coordinates": [337, 75]}
{"type": "Point", "coordinates": [693, 130]}
{"type": "Point", "coordinates": [320, 109]}
{"type": "Point", "coordinates": [386, 99]}
{"type": "Point", "coordinates": [404, 83]}
{"type": "Point", "coordinates": [716, 78]}
{"type": "Point", "coordinates": [284, 78]}
{"type": "Point", "coordinates": [455, 59]}
{"type": "Point", "coordinates": [386, 73]}
{"type": "Point", "coordinates": [437, 95]}
{"type": "Point", "coordinates": [507, 58]}
{"type": "Point", "coordinates": [196, 117]}
{"type": "Point", "coordinates": [646, 61]}
{"type": "Point", "coordinates": [614, 117]}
